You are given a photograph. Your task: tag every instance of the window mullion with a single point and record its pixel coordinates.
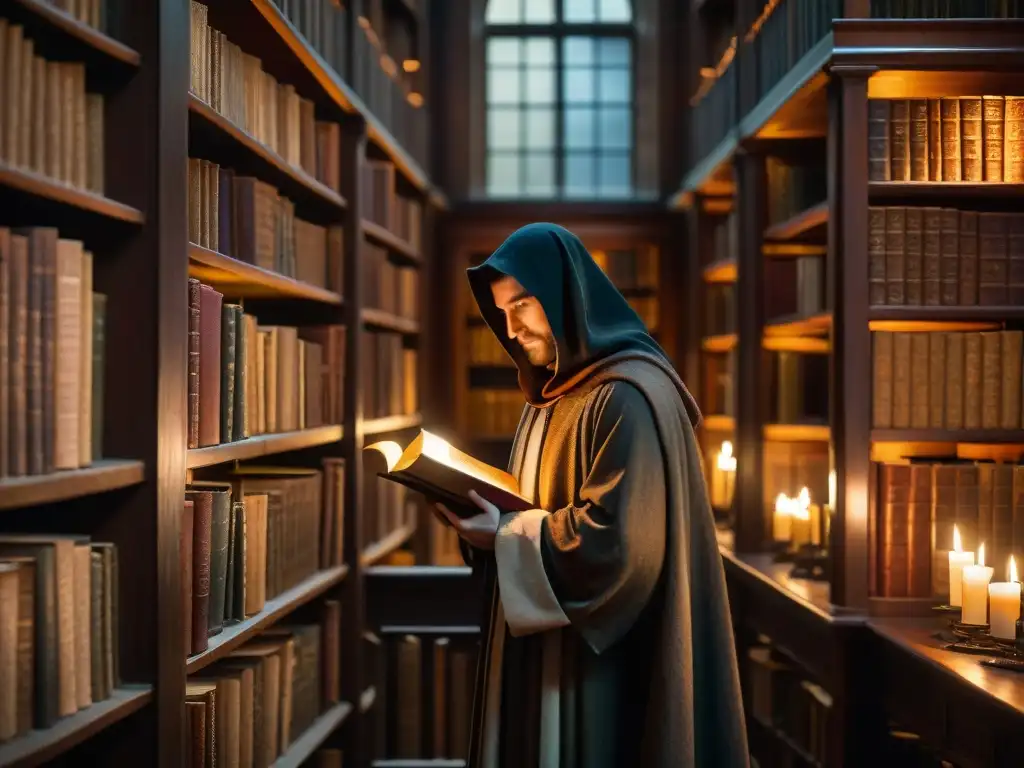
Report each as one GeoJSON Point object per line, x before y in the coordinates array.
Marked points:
{"type": "Point", "coordinates": [559, 148]}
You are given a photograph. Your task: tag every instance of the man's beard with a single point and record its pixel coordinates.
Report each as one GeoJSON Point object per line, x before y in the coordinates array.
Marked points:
{"type": "Point", "coordinates": [539, 350]}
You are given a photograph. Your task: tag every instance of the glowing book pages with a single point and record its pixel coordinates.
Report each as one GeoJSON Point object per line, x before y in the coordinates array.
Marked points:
{"type": "Point", "coordinates": [431, 466]}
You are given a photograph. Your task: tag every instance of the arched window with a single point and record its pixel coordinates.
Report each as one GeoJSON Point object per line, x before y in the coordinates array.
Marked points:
{"type": "Point", "coordinates": [559, 97]}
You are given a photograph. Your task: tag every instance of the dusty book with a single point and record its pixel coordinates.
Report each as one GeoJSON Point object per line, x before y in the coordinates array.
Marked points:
{"type": "Point", "coordinates": [444, 474]}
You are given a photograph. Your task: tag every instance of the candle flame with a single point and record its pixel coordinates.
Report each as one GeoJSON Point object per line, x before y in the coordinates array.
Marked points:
{"type": "Point", "coordinates": [782, 504]}
{"type": "Point", "coordinates": [1013, 569]}
{"type": "Point", "coordinates": [804, 497]}
{"type": "Point", "coordinates": [981, 554]}
{"type": "Point", "coordinates": [957, 545]}
{"type": "Point", "coordinates": [726, 461]}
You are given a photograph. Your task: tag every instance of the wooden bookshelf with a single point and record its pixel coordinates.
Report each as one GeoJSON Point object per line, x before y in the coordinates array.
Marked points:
{"type": "Point", "coordinates": [820, 87]}
{"type": "Point", "coordinates": [135, 223]}
{"type": "Point", "coordinates": [101, 476]}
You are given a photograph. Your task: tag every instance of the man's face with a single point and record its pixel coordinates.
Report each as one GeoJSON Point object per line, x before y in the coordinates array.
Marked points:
{"type": "Point", "coordinates": [525, 321]}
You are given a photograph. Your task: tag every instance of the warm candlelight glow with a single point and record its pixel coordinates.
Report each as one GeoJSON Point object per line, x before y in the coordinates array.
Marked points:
{"type": "Point", "coordinates": [976, 580]}
{"type": "Point", "coordinates": [726, 461]}
{"type": "Point", "coordinates": [832, 489]}
{"type": "Point", "coordinates": [981, 554]}
{"type": "Point", "coordinates": [958, 559]}
{"type": "Point", "coordinates": [801, 505]}
{"type": "Point", "coordinates": [1004, 605]}
{"type": "Point", "coordinates": [1013, 570]}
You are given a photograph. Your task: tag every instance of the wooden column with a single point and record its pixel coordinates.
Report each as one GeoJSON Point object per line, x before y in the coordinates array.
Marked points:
{"type": "Point", "coordinates": [353, 680]}
{"type": "Point", "coordinates": [751, 522]}
{"type": "Point", "coordinates": [849, 380]}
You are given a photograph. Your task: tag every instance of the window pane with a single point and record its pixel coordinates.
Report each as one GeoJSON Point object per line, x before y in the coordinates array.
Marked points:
{"type": "Point", "coordinates": [504, 128]}
{"type": "Point", "coordinates": [503, 50]}
{"type": "Point", "coordinates": [540, 11]}
{"type": "Point", "coordinates": [540, 175]}
{"type": "Point", "coordinates": [614, 86]}
{"type": "Point", "coordinates": [577, 51]}
{"type": "Point", "coordinates": [613, 52]}
{"type": "Point", "coordinates": [613, 11]}
{"type": "Point", "coordinates": [540, 86]}
{"type": "Point", "coordinates": [540, 128]}
{"type": "Point", "coordinates": [579, 175]}
{"type": "Point", "coordinates": [578, 86]}
{"type": "Point", "coordinates": [503, 86]}
{"type": "Point", "coordinates": [614, 175]}
{"type": "Point", "coordinates": [503, 175]}
{"type": "Point", "coordinates": [615, 128]}
{"type": "Point", "coordinates": [504, 11]}
{"type": "Point", "coordinates": [579, 128]}
{"type": "Point", "coordinates": [540, 52]}
{"type": "Point", "coordinates": [579, 10]}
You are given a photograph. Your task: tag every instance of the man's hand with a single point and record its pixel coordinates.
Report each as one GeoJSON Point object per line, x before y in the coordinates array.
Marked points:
{"type": "Point", "coordinates": [478, 530]}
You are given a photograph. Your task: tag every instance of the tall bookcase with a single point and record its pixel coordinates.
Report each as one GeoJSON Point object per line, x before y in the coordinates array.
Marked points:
{"type": "Point", "coordinates": [336, 233]}
{"type": "Point", "coordinates": [796, 139]}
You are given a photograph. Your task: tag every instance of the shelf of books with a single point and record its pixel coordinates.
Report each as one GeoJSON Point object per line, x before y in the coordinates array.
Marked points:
{"type": "Point", "coordinates": [878, 405]}
{"type": "Point", "coordinates": [183, 503]}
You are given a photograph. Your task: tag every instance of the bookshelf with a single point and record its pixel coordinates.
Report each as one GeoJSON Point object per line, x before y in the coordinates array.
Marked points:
{"type": "Point", "coordinates": [790, 142]}
{"type": "Point", "coordinates": [334, 158]}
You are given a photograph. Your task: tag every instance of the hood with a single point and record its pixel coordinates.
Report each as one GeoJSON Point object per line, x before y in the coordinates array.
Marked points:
{"type": "Point", "coordinates": [592, 322]}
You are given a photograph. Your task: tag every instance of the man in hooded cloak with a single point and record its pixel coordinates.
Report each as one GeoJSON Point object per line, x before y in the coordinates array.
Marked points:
{"type": "Point", "coordinates": [610, 642]}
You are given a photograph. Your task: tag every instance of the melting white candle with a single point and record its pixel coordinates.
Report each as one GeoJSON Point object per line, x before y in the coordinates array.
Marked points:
{"type": "Point", "coordinates": [1004, 605]}
{"type": "Point", "coordinates": [975, 580]}
{"type": "Point", "coordinates": [957, 560]}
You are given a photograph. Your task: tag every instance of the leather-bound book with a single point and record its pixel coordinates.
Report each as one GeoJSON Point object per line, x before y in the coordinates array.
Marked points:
{"type": "Point", "coordinates": [193, 362]}
{"type": "Point", "coordinates": [229, 335]}
{"type": "Point", "coordinates": [993, 261]}
{"type": "Point", "coordinates": [185, 551]}
{"type": "Point", "coordinates": [203, 509]}
{"type": "Point", "coordinates": [210, 302]}
{"type": "Point", "coordinates": [220, 499]}
{"type": "Point", "coordinates": [99, 358]}
{"type": "Point", "coordinates": [919, 535]}
{"type": "Point", "coordinates": [893, 531]}
{"type": "Point", "coordinates": [1012, 359]}
{"type": "Point", "coordinates": [240, 419]}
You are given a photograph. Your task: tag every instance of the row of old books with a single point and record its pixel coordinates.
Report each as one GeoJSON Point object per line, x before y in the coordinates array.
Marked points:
{"type": "Point", "coordinates": [246, 379]}
{"type": "Point", "coordinates": [324, 24]}
{"type": "Point", "coordinates": [248, 708]}
{"type": "Point", "coordinates": [793, 708]}
{"type": "Point", "coordinates": [387, 507]}
{"type": "Point", "coordinates": [51, 354]}
{"type": "Point", "coordinates": [787, 34]}
{"type": "Point", "coordinates": [793, 187]}
{"type": "Point", "coordinates": [388, 286]}
{"type": "Point", "coordinates": [424, 696]}
{"type": "Point", "coordinates": [965, 138]}
{"type": "Point", "coordinates": [235, 85]}
{"type": "Point", "coordinates": [247, 219]}
{"type": "Point", "coordinates": [796, 390]}
{"type": "Point", "coordinates": [952, 381]}
{"type": "Point", "coordinates": [388, 376]}
{"type": "Point", "coordinates": [630, 269]}
{"type": "Point", "coordinates": [253, 536]}
{"type": "Point", "coordinates": [947, 9]}
{"type": "Point", "coordinates": [50, 124]}
{"type": "Point", "coordinates": [484, 347]}
{"type": "Point", "coordinates": [945, 257]}
{"type": "Point", "coordinates": [58, 628]}
{"type": "Point", "coordinates": [494, 412]}
{"type": "Point", "coordinates": [919, 502]}
{"type": "Point", "coordinates": [382, 204]}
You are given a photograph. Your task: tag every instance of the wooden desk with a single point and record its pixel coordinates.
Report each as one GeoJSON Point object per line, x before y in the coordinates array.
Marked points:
{"type": "Point", "coordinates": [972, 715]}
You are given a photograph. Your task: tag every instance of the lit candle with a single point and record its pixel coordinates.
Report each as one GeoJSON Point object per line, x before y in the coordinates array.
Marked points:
{"type": "Point", "coordinates": [957, 560]}
{"type": "Point", "coordinates": [975, 580]}
{"type": "Point", "coordinates": [723, 478]}
{"type": "Point", "coordinates": [1004, 605]}
{"type": "Point", "coordinates": [800, 513]}
{"type": "Point", "coordinates": [782, 521]}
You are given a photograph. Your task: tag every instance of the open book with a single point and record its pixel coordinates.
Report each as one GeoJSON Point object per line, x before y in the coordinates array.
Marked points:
{"type": "Point", "coordinates": [431, 466]}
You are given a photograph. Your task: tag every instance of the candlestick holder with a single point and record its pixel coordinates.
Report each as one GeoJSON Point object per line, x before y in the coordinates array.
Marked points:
{"type": "Point", "coordinates": [782, 552]}
{"type": "Point", "coordinates": [947, 608]}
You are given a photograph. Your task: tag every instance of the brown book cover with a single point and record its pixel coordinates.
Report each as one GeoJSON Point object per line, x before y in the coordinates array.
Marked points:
{"type": "Point", "coordinates": [993, 114]}
{"type": "Point", "coordinates": [920, 384]}
{"type": "Point", "coordinates": [209, 365]}
{"type": "Point", "coordinates": [955, 380]}
{"type": "Point", "coordinates": [936, 380]}
{"type": "Point", "coordinates": [895, 254]}
{"type": "Point", "coordinates": [901, 381]}
{"type": "Point", "coordinates": [950, 256]}
{"type": "Point", "coordinates": [893, 530]}
{"type": "Point", "coordinates": [992, 379]}
{"type": "Point", "coordinates": [1015, 256]}
{"type": "Point", "coordinates": [973, 361]}
{"type": "Point", "coordinates": [943, 519]}
{"type": "Point", "coordinates": [185, 551]}
{"type": "Point", "coordinates": [919, 536]}
{"type": "Point", "coordinates": [918, 140]}
{"type": "Point", "coordinates": [202, 525]}
{"type": "Point", "coordinates": [931, 257]}
{"type": "Point", "coordinates": [18, 356]}
{"type": "Point", "coordinates": [951, 162]}
{"type": "Point", "coordinates": [968, 258]}
{"type": "Point", "coordinates": [878, 139]}
{"type": "Point", "coordinates": [914, 256]}
{"type": "Point", "coordinates": [993, 259]}
{"type": "Point", "coordinates": [971, 139]}
{"type": "Point", "coordinates": [1011, 361]}
{"type": "Point", "coordinates": [193, 362]}
{"type": "Point", "coordinates": [6, 291]}
{"type": "Point", "coordinates": [1013, 149]}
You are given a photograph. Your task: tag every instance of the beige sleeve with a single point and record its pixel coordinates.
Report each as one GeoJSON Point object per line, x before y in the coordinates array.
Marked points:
{"type": "Point", "coordinates": [529, 602]}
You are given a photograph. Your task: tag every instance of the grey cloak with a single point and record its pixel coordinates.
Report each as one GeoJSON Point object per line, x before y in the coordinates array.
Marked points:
{"type": "Point", "coordinates": [609, 642]}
